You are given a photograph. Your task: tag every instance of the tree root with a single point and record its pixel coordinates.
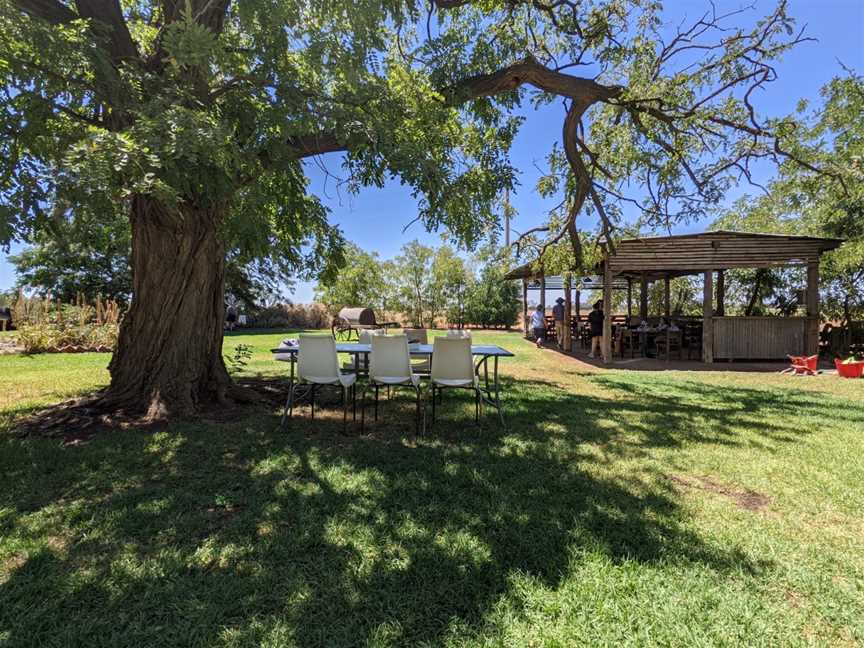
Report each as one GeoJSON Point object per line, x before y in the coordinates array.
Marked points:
{"type": "Point", "coordinates": [82, 418]}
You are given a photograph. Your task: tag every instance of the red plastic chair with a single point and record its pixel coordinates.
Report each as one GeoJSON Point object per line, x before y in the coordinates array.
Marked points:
{"type": "Point", "coordinates": [803, 365]}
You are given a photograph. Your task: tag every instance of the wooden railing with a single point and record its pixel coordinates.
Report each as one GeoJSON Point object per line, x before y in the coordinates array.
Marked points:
{"type": "Point", "coordinates": [759, 338]}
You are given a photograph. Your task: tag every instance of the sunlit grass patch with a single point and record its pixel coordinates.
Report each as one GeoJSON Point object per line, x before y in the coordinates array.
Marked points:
{"type": "Point", "coordinates": [617, 508]}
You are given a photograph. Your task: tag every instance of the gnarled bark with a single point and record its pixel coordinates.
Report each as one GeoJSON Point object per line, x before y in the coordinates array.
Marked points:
{"type": "Point", "coordinates": [169, 356]}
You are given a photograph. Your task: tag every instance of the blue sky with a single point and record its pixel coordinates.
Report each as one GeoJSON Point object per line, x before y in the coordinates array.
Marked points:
{"type": "Point", "coordinates": [375, 218]}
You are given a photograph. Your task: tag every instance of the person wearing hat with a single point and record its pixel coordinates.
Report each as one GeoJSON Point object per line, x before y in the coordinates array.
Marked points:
{"type": "Point", "coordinates": [558, 315]}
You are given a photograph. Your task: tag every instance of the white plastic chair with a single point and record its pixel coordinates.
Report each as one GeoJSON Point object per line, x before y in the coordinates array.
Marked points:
{"type": "Point", "coordinates": [453, 368]}
{"type": "Point", "coordinates": [390, 366]}
{"type": "Point", "coordinates": [419, 336]}
{"type": "Point", "coordinates": [317, 364]}
{"type": "Point", "coordinates": [458, 333]}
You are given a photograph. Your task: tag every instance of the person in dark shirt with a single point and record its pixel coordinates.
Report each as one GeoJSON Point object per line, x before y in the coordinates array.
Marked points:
{"type": "Point", "coordinates": [558, 314]}
{"type": "Point", "coordinates": [595, 320]}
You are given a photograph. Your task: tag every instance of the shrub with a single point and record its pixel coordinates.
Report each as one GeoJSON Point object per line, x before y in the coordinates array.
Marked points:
{"type": "Point", "coordinates": [46, 326]}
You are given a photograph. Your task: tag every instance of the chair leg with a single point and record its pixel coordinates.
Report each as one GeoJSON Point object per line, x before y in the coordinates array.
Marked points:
{"type": "Point", "coordinates": [344, 409]}
{"type": "Point", "coordinates": [363, 400]}
{"type": "Point", "coordinates": [376, 402]}
{"type": "Point", "coordinates": [433, 403]}
{"type": "Point", "coordinates": [312, 401]}
{"type": "Point", "coordinates": [476, 406]}
{"type": "Point", "coordinates": [417, 417]}
{"type": "Point", "coordinates": [354, 402]}
{"type": "Point", "coordinates": [289, 406]}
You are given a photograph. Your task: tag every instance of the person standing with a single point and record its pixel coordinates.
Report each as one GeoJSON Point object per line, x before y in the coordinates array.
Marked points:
{"type": "Point", "coordinates": [230, 318]}
{"type": "Point", "coordinates": [595, 321]}
{"type": "Point", "coordinates": [558, 315]}
{"type": "Point", "coordinates": [538, 324]}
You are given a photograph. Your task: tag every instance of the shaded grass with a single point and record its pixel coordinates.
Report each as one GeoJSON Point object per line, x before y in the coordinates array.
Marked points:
{"type": "Point", "coordinates": [565, 529]}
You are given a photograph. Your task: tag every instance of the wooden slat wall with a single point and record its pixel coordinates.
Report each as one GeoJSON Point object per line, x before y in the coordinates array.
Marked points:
{"type": "Point", "coordinates": [712, 251]}
{"type": "Point", "coordinates": [759, 338]}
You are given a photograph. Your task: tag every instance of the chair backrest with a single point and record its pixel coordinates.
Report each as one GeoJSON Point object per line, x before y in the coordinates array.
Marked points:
{"type": "Point", "coordinates": [417, 336]}
{"type": "Point", "coordinates": [364, 336]}
{"type": "Point", "coordinates": [459, 333]}
{"type": "Point", "coordinates": [389, 358]}
{"type": "Point", "coordinates": [451, 359]}
{"type": "Point", "coordinates": [316, 357]}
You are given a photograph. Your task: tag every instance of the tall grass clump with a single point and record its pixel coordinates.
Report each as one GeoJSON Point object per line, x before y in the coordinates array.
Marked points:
{"type": "Point", "coordinates": [292, 316]}
{"type": "Point", "coordinates": [50, 326]}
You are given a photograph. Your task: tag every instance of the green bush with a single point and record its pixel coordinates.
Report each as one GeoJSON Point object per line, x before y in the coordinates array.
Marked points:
{"type": "Point", "coordinates": [492, 301]}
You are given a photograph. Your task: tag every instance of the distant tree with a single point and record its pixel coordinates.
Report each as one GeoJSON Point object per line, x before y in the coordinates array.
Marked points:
{"type": "Point", "coordinates": [88, 254]}
{"type": "Point", "coordinates": [451, 278]}
{"type": "Point", "coordinates": [684, 297]}
{"type": "Point", "coordinates": [492, 300]}
{"type": "Point", "coordinates": [414, 283]}
{"type": "Point", "coordinates": [360, 282]}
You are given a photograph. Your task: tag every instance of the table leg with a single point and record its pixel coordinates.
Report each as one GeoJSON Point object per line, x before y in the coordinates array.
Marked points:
{"type": "Point", "coordinates": [486, 370]}
{"type": "Point", "coordinates": [498, 395]}
{"type": "Point", "coordinates": [290, 400]}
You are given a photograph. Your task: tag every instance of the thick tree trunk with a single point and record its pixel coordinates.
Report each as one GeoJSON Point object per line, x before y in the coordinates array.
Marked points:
{"type": "Point", "coordinates": [168, 361]}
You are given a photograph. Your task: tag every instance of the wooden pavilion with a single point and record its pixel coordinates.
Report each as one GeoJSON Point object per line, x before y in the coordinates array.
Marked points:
{"type": "Point", "coordinates": [661, 258]}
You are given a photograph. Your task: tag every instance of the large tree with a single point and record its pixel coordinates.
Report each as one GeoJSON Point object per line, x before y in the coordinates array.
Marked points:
{"type": "Point", "coordinates": [185, 109]}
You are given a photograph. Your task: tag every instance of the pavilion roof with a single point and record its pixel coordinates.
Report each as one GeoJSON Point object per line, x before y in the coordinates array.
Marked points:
{"type": "Point", "coordinates": [682, 254]}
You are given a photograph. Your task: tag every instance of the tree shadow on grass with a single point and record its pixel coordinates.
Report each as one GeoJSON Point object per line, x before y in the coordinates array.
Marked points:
{"type": "Point", "coordinates": [656, 412]}
{"type": "Point", "coordinates": [239, 534]}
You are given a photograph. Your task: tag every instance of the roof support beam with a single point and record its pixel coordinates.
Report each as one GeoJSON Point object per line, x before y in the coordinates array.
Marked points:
{"type": "Point", "coordinates": [606, 344]}
{"type": "Point", "coordinates": [643, 296]}
{"type": "Point", "coordinates": [708, 318]}
{"type": "Point", "coordinates": [721, 293]}
{"type": "Point", "coordinates": [812, 308]}
{"type": "Point", "coordinates": [667, 303]}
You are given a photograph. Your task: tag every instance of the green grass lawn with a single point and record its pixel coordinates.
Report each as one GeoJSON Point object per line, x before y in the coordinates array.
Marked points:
{"type": "Point", "coordinates": [618, 508]}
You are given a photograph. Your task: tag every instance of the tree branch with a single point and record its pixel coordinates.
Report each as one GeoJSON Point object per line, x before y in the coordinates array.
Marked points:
{"type": "Point", "coordinates": [533, 73]}
{"type": "Point", "coordinates": [302, 146]}
{"type": "Point", "coordinates": [109, 14]}
{"type": "Point", "coordinates": [54, 12]}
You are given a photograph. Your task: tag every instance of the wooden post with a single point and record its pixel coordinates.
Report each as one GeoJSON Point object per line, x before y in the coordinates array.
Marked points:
{"type": "Point", "coordinates": [578, 303]}
{"type": "Point", "coordinates": [812, 308]}
{"type": "Point", "coordinates": [629, 297]}
{"type": "Point", "coordinates": [721, 293]}
{"type": "Point", "coordinates": [606, 345]}
{"type": "Point", "coordinates": [708, 318]}
{"type": "Point", "coordinates": [543, 293]}
{"type": "Point", "coordinates": [643, 296]}
{"type": "Point", "coordinates": [567, 343]}
{"type": "Point", "coordinates": [525, 306]}
{"type": "Point", "coordinates": [667, 303]}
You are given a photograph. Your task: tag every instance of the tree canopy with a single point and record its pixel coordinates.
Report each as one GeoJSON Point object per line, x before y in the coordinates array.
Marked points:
{"type": "Point", "coordinates": [221, 99]}
{"type": "Point", "coordinates": [801, 201]}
